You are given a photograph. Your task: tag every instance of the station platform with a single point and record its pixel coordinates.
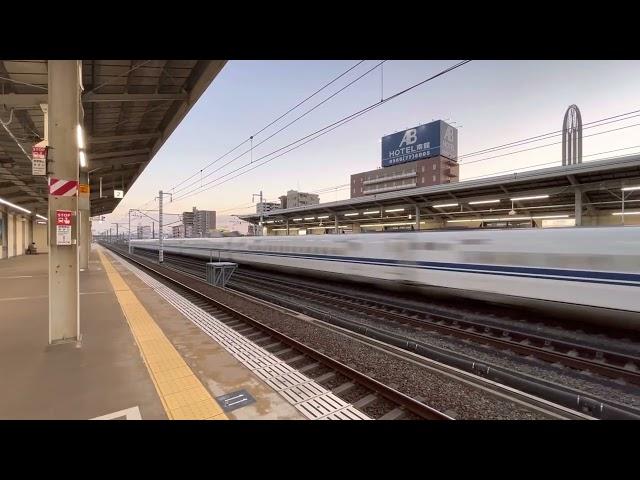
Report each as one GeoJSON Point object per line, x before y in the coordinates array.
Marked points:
{"type": "Point", "coordinates": [138, 357]}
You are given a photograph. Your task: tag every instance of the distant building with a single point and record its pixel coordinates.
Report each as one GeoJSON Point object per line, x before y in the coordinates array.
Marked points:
{"type": "Point", "coordinates": [421, 173]}
{"type": "Point", "coordinates": [143, 231]}
{"type": "Point", "coordinates": [294, 199]}
{"type": "Point", "coordinates": [197, 223]}
{"type": "Point", "coordinates": [264, 207]}
{"type": "Point", "coordinates": [177, 231]}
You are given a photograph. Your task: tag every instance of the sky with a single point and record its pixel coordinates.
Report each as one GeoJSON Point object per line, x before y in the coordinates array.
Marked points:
{"type": "Point", "coordinates": [491, 103]}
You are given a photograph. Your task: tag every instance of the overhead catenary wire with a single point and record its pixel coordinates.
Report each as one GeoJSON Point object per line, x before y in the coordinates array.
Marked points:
{"type": "Point", "coordinates": [271, 123]}
{"type": "Point", "coordinates": [546, 136]}
{"type": "Point", "coordinates": [322, 131]}
{"type": "Point", "coordinates": [287, 125]}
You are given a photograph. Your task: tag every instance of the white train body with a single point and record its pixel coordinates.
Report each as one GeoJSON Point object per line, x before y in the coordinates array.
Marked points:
{"type": "Point", "coordinates": [596, 271]}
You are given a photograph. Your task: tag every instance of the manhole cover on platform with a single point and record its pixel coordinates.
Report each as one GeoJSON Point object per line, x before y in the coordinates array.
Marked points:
{"type": "Point", "coordinates": [235, 400]}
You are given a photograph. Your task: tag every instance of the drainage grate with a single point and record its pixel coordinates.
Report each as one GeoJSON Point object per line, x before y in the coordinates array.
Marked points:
{"type": "Point", "coordinates": [235, 400]}
{"type": "Point", "coordinates": [311, 399]}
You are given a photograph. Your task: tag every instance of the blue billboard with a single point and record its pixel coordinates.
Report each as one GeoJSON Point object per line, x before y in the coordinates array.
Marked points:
{"type": "Point", "coordinates": [417, 143]}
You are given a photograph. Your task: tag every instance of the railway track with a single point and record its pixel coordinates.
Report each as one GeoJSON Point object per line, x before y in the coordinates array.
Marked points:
{"type": "Point", "coordinates": [370, 399]}
{"type": "Point", "coordinates": [327, 304]}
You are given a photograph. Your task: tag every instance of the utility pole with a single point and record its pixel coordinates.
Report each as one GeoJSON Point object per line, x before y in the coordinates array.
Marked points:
{"type": "Point", "coordinates": [160, 236]}
{"type": "Point", "coordinates": [261, 209]}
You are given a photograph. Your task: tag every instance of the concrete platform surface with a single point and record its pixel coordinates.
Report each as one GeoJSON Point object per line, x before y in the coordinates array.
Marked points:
{"type": "Point", "coordinates": [106, 375]}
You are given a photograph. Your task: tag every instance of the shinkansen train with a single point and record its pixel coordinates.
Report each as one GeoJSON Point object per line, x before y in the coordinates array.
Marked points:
{"type": "Point", "coordinates": [591, 272]}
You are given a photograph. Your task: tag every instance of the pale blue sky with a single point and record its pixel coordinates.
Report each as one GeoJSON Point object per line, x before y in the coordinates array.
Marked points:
{"type": "Point", "coordinates": [495, 102]}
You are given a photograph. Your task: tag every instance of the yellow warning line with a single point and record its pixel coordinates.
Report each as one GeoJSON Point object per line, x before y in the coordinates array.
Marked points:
{"type": "Point", "coordinates": [183, 396]}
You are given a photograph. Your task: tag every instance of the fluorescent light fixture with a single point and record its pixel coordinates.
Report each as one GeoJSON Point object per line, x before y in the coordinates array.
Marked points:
{"type": "Point", "coordinates": [297, 219]}
{"type": "Point", "coordinates": [395, 224]}
{"type": "Point", "coordinates": [482, 202]}
{"type": "Point", "coordinates": [80, 137]}
{"type": "Point", "coordinates": [371, 212]}
{"type": "Point", "coordinates": [13, 205]}
{"type": "Point", "coordinates": [351, 214]}
{"type": "Point", "coordinates": [541, 217]}
{"type": "Point", "coordinates": [505, 219]}
{"type": "Point", "coordinates": [40, 216]}
{"type": "Point", "coordinates": [628, 189]}
{"type": "Point", "coordinates": [442, 205]}
{"type": "Point", "coordinates": [310, 218]}
{"type": "Point", "coordinates": [533, 197]}
{"type": "Point", "coordinates": [395, 210]}
{"type": "Point", "coordinates": [324, 216]}
{"type": "Point", "coordinates": [626, 213]}
{"type": "Point", "coordinates": [83, 159]}
{"type": "Point", "coordinates": [460, 220]}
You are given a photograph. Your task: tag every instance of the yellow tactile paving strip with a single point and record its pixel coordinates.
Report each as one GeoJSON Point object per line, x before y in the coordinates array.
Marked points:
{"type": "Point", "coordinates": [183, 396]}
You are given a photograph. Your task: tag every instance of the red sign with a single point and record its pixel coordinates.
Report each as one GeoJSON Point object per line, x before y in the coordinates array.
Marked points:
{"type": "Point", "coordinates": [63, 188]}
{"type": "Point", "coordinates": [63, 217]}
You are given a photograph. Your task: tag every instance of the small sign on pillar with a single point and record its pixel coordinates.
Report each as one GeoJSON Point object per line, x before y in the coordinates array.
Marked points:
{"type": "Point", "coordinates": [118, 193]}
{"type": "Point", "coordinates": [63, 227]}
{"type": "Point", "coordinates": [39, 159]}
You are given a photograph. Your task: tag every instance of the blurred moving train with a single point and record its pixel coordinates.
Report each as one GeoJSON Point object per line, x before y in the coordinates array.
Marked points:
{"type": "Point", "coordinates": [591, 272]}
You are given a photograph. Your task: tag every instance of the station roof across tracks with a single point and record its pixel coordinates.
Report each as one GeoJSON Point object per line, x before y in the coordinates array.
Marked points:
{"type": "Point", "coordinates": [130, 109]}
{"type": "Point", "coordinates": [600, 181]}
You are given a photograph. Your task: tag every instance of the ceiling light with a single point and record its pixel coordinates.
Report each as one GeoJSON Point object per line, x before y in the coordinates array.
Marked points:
{"type": "Point", "coordinates": [465, 220]}
{"type": "Point", "coordinates": [324, 216]}
{"type": "Point", "coordinates": [442, 205]}
{"type": "Point", "coordinates": [351, 214]}
{"type": "Point", "coordinates": [13, 205]}
{"type": "Point", "coordinates": [40, 216]}
{"type": "Point", "coordinates": [297, 219]}
{"type": "Point", "coordinates": [371, 212]}
{"type": "Point", "coordinates": [626, 213]}
{"type": "Point", "coordinates": [533, 197]}
{"type": "Point", "coordinates": [83, 159]}
{"type": "Point", "coordinates": [80, 137]}
{"type": "Point", "coordinates": [481, 202]}
{"type": "Point", "coordinates": [628, 189]}
{"type": "Point", "coordinates": [310, 218]}
{"type": "Point", "coordinates": [541, 217]}
{"type": "Point", "coordinates": [395, 210]}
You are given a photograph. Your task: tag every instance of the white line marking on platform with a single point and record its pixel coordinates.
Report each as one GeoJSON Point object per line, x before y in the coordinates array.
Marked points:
{"type": "Point", "coordinates": [132, 413]}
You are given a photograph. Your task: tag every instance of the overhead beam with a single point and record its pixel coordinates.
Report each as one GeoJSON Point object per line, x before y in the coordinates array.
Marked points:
{"type": "Point", "coordinates": [23, 99]}
{"type": "Point", "coordinates": [115, 162]}
{"type": "Point", "coordinates": [132, 97]}
{"type": "Point", "coordinates": [122, 138]}
{"type": "Point", "coordinates": [117, 153]}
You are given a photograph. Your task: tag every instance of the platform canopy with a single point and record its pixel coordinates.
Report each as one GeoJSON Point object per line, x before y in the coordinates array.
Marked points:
{"type": "Point", "coordinates": [547, 191]}
{"type": "Point", "coordinates": [130, 108]}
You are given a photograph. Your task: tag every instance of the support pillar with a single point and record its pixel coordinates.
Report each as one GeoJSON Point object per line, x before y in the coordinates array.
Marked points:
{"type": "Point", "coordinates": [578, 204]}
{"type": "Point", "coordinates": [85, 229]}
{"type": "Point", "coordinates": [417, 217]}
{"type": "Point", "coordinates": [287, 227]}
{"type": "Point", "coordinates": [64, 115]}
{"type": "Point", "coordinates": [4, 234]}
{"type": "Point", "coordinates": [337, 230]}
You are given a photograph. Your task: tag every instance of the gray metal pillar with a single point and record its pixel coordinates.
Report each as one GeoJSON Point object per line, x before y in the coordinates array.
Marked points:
{"type": "Point", "coordinates": [5, 233]}
{"type": "Point", "coordinates": [417, 217]}
{"type": "Point", "coordinates": [578, 204]}
{"type": "Point", "coordinates": [160, 236]}
{"type": "Point", "coordinates": [337, 230]}
{"type": "Point", "coordinates": [287, 227]}
{"type": "Point", "coordinates": [64, 110]}
{"type": "Point", "coordinates": [85, 231]}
